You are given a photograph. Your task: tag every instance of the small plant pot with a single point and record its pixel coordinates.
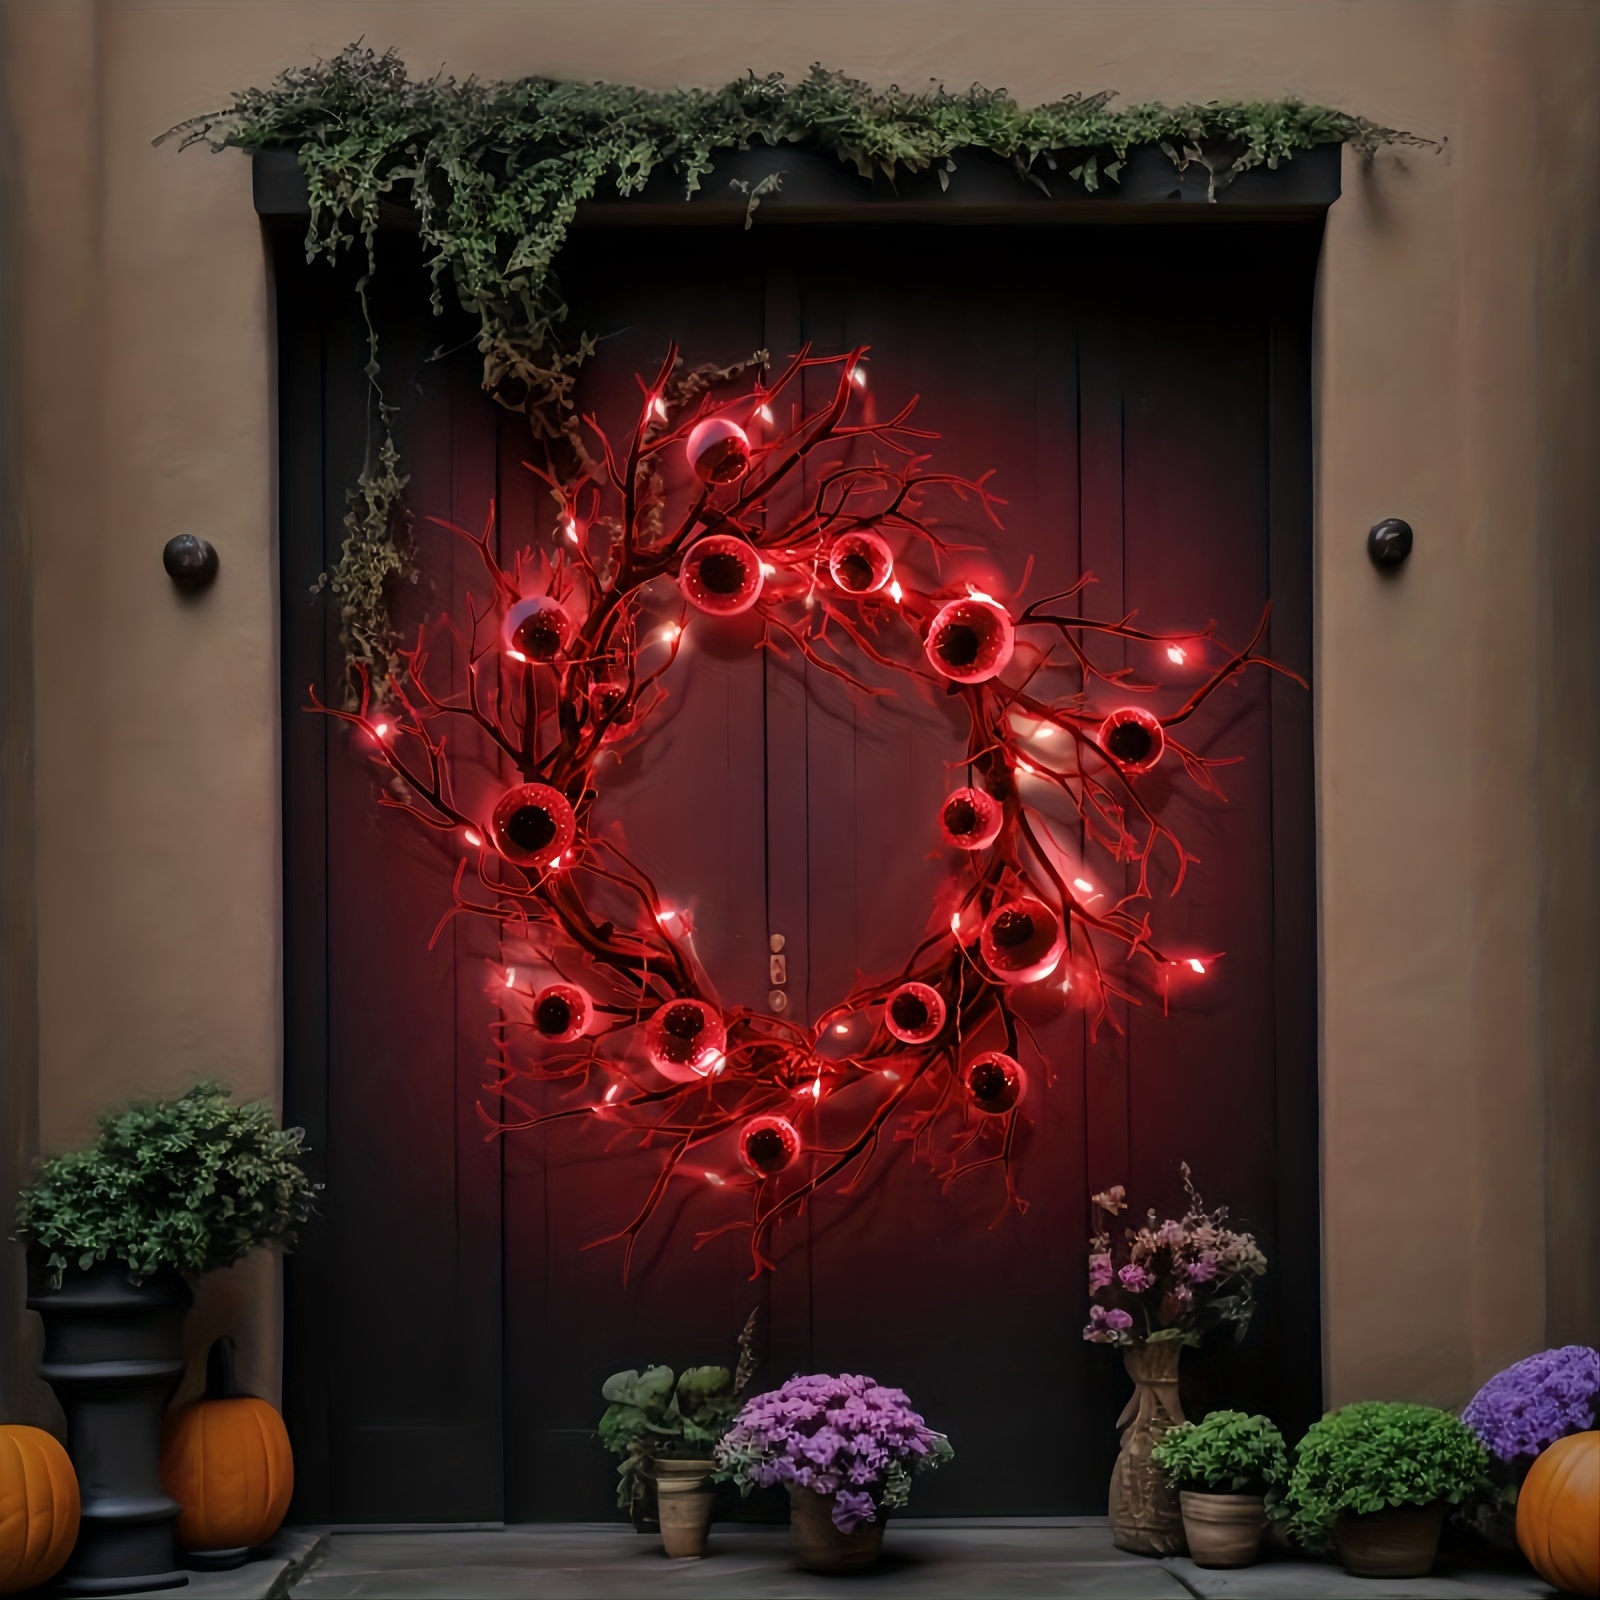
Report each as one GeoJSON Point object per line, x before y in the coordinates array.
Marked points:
{"type": "Point", "coordinates": [819, 1546]}
{"type": "Point", "coordinates": [1223, 1530]}
{"type": "Point", "coordinates": [683, 1503]}
{"type": "Point", "coordinates": [1397, 1542]}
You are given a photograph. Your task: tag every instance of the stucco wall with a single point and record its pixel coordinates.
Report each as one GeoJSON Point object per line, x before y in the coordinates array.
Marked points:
{"type": "Point", "coordinates": [1457, 707]}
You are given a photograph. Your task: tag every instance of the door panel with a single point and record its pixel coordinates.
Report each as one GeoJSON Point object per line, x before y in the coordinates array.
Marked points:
{"type": "Point", "coordinates": [1146, 411]}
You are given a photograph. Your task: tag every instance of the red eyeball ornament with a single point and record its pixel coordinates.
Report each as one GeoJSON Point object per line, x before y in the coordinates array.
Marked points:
{"type": "Point", "coordinates": [532, 825]}
{"type": "Point", "coordinates": [537, 629]}
{"type": "Point", "coordinates": [914, 1013]}
{"type": "Point", "coordinates": [721, 575]}
{"type": "Point", "coordinates": [561, 1013]}
{"type": "Point", "coordinates": [718, 450]}
{"type": "Point", "coordinates": [970, 641]}
{"type": "Point", "coordinates": [1133, 739]}
{"type": "Point", "coordinates": [970, 819]}
{"type": "Point", "coordinates": [684, 1040]}
{"type": "Point", "coordinates": [768, 1144]}
{"type": "Point", "coordinates": [994, 1083]}
{"type": "Point", "coordinates": [860, 563]}
{"type": "Point", "coordinates": [1022, 941]}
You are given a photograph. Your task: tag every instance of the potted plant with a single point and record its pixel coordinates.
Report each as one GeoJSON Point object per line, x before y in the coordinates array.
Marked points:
{"type": "Point", "coordinates": [846, 1449]}
{"type": "Point", "coordinates": [1157, 1289]}
{"type": "Point", "coordinates": [169, 1190]}
{"type": "Point", "coordinates": [1222, 1469]}
{"type": "Point", "coordinates": [1516, 1415]}
{"type": "Point", "coordinates": [663, 1429]}
{"type": "Point", "coordinates": [1376, 1478]}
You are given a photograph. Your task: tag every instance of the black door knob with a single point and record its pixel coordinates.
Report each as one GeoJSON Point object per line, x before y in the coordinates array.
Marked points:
{"type": "Point", "coordinates": [1389, 543]}
{"type": "Point", "coordinates": [191, 563]}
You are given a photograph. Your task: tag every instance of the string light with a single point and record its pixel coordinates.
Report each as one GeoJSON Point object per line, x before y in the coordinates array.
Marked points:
{"type": "Point", "coordinates": [570, 529]}
{"type": "Point", "coordinates": [1083, 884]}
{"type": "Point", "coordinates": [1177, 655]}
{"type": "Point", "coordinates": [896, 593]}
{"type": "Point", "coordinates": [764, 412]}
{"type": "Point", "coordinates": [858, 376]}
{"type": "Point", "coordinates": [1196, 965]}
{"type": "Point", "coordinates": [658, 408]}
{"type": "Point", "coordinates": [516, 655]}
{"type": "Point", "coordinates": [473, 837]}
{"type": "Point", "coordinates": [511, 977]}
{"type": "Point", "coordinates": [381, 730]}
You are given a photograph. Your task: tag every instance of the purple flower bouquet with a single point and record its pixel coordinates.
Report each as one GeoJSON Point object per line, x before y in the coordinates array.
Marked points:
{"type": "Point", "coordinates": [1176, 1279]}
{"type": "Point", "coordinates": [847, 1437]}
{"type": "Point", "coordinates": [1518, 1413]}
{"type": "Point", "coordinates": [1534, 1402]}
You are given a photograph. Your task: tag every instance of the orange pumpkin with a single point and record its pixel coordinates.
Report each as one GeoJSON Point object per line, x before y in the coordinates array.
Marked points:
{"type": "Point", "coordinates": [225, 1459]}
{"type": "Point", "coordinates": [38, 1508]}
{"type": "Point", "coordinates": [1558, 1514]}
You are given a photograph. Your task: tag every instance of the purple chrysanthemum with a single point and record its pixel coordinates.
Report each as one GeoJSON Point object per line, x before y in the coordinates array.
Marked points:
{"type": "Point", "coordinates": [1533, 1403]}
{"type": "Point", "coordinates": [845, 1437]}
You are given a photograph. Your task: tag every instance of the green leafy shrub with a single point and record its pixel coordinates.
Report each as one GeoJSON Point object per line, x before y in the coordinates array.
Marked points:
{"type": "Point", "coordinates": [1374, 1454]}
{"type": "Point", "coordinates": [1227, 1453]}
{"type": "Point", "coordinates": [652, 1413]}
{"type": "Point", "coordinates": [191, 1184]}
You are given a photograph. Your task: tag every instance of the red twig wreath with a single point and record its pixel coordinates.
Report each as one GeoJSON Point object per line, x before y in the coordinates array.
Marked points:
{"type": "Point", "coordinates": [561, 666]}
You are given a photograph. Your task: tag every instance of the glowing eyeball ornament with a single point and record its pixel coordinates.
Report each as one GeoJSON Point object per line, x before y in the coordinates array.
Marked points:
{"type": "Point", "coordinates": [684, 1040]}
{"type": "Point", "coordinates": [718, 450]}
{"type": "Point", "coordinates": [914, 1013]}
{"type": "Point", "coordinates": [970, 641]}
{"type": "Point", "coordinates": [768, 1144]}
{"type": "Point", "coordinates": [720, 575]}
{"type": "Point", "coordinates": [860, 563]}
{"type": "Point", "coordinates": [1133, 739]}
{"type": "Point", "coordinates": [561, 1013]}
{"type": "Point", "coordinates": [994, 1083]}
{"type": "Point", "coordinates": [604, 700]}
{"type": "Point", "coordinates": [970, 819]}
{"type": "Point", "coordinates": [532, 825]}
{"type": "Point", "coordinates": [1022, 941]}
{"type": "Point", "coordinates": [537, 629]}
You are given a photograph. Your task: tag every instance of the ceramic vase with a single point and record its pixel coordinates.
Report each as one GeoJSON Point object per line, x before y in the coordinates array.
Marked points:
{"type": "Point", "coordinates": [1397, 1542]}
{"type": "Point", "coordinates": [683, 1504]}
{"type": "Point", "coordinates": [113, 1353]}
{"type": "Point", "coordinates": [819, 1546]}
{"type": "Point", "coordinates": [1223, 1530]}
{"type": "Point", "coordinates": [1145, 1516]}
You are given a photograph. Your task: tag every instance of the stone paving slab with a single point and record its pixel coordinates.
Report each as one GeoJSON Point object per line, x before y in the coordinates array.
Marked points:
{"type": "Point", "coordinates": [603, 1562]}
{"type": "Point", "coordinates": [266, 1576]}
{"type": "Point", "coordinates": [1292, 1580]}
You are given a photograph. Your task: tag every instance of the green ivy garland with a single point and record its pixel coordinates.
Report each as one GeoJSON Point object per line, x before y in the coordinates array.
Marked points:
{"type": "Point", "coordinates": [496, 171]}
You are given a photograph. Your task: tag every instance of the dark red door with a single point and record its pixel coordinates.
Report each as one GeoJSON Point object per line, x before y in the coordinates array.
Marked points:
{"type": "Point", "coordinates": [1143, 399]}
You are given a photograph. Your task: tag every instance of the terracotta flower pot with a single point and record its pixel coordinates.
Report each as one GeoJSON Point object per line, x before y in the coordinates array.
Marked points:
{"type": "Point", "coordinates": [1397, 1542]}
{"type": "Point", "coordinates": [683, 1503]}
{"type": "Point", "coordinates": [819, 1546]}
{"type": "Point", "coordinates": [1223, 1530]}
{"type": "Point", "coordinates": [1144, 1510]}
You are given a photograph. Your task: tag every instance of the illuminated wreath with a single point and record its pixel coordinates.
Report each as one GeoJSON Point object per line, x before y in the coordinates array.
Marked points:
{"type": "Point", "coordinates": [567, 662]}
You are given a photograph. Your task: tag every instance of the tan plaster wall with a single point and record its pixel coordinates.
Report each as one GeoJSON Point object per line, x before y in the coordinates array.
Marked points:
{"type": "Point", "coordinates": [1457, 724]}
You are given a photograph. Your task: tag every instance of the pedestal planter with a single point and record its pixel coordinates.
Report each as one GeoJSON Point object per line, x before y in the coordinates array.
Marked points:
{"type": "Point", "coordinates": [1145, 1518]}
{"type": "Point", "coordinates": [819, 1546]}
{"type": "Point", "coordinates": [1397, 1542]}
{"type": "Point", "coordinates": [1223, 1530]}
{"type": "Point", "coordinates": [113, 1353]}
{"type": "Point", "coordinates": [683, 1503]}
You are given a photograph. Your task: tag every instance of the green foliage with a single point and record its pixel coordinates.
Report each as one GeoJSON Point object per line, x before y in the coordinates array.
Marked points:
{"type": "Point", "coordinates": [1379, 1453]}
{"type": "Point", "coordinates": [1227, 1453]}
{"type": "Point", "coordinates": [654, 1414]}
{"type": "Point", "coordinates": [495, 173]}
{"type": "Point", "coordinates": [191, 1184]}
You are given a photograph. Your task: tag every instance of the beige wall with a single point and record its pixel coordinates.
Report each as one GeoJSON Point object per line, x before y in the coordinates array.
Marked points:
{"type": "Point", "coordinates": [1457, 722]}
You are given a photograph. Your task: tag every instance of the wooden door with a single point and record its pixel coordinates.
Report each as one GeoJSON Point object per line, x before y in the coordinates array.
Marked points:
{"type": "Point", "coordinates": [1143, 397]}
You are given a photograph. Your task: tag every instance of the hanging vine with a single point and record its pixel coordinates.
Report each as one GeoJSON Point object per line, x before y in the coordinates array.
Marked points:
{"type": "Point", "coordinates": [495, 173]}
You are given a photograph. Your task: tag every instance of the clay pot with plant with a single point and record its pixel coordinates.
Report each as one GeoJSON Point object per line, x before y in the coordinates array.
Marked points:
{"type": "Point", "coordinates": [1376, 1479]}
{"type": "Point", "coordinates": [116, 1234]}
{"type": "Point", "coordinates": [664, 1428]}
{"type": "Point", "coordinates": [1223, 1468]}
{"type": "Point", "coordinates": [846, 1449]}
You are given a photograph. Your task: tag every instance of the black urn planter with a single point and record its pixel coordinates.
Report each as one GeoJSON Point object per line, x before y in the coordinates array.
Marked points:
{"type": "Point", "coordinates": [113, 1353]}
